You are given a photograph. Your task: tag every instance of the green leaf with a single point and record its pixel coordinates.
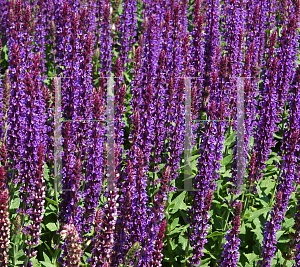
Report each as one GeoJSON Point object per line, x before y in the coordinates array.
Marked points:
{"type": "Point", "coordinates": [205, 262]}
{"type": "Point", "coordinates": [258, 233]}
{"type": "Point", "coordinates": [127, 77]}
{"type": "Point", "coordinates": [5, 50]}
{"type": "Point", "coordinates": [257, 213]}
{"type": "Point", "coordinates": [178, 201]}
{"type": "Point", "coordinates": [51, 226]}
{"type": "Point", "coordinates": [46, 172]}
{"type": "Point", "coordinates": [183, 241]}
{"type": "Point", "coordinates": [288, 223]}
{"type": "Point", "coordinates": [215, 233]}
{"type": "Point", "coordinates": [47, 264]}
{"type": "Point", "coordinates": [120, 9]}
{"type": "Point", "coordinates": [35, 262]}
{"type": "Point", "coordinates": [225, 161]}
{"type": "Point", "coordinates": [270, 167]}
{"type": "Point", "coordinates": [15, 203]}
{"type": "Point", "coordinates": [279, 234]}
{"type": "Point", "coordinates": [51, 201]}
{"type": "Point", "coordinates": [230, 139]}
{"type": "Point", "coordinates": [19, 254]}
{"type": "Point", "coordinates": [174, 223]}
{"type": "Point", "coordinates": [176, 230]}
{"type": "Point", "coordinates": [46, 258]}
{"type": "Point", "coordinates": [251, 257]}
{"type": "Point", "coordinates": [49, 249]}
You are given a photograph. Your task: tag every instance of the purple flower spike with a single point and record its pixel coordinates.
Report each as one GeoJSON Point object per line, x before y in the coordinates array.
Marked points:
{"type": "Point", "coordinates": [230, 254]}
{"type": "Point", "coordinates": [271, 227]}
{"type": "Point", "coordinates": [72, 251]}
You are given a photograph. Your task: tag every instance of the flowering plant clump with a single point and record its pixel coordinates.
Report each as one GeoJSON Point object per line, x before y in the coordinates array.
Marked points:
{"type": "Point", "coordinates": [149, 133]}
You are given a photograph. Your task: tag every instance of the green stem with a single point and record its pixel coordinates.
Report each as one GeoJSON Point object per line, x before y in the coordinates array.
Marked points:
{"type": "Point", "coordinates": [284, 263]}
{"type": "Point", "coordinates": [187, 247]}
{"type": "Point", "coordinates": [168, 237]}
{"type": "Point", "coordinates": [15, 248]}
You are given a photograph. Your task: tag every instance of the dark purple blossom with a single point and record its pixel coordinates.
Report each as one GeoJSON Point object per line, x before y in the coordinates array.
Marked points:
{"type": "Point", "coordinates": [127, 29]}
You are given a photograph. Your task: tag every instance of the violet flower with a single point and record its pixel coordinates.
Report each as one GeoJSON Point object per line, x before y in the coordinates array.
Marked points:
{"type": "Point", "coordinates": [17, 108]}
{"type": "Point", "coordinates": [197, 64]}
{"type": "Point", "coordinates": [49, 124]}
{"type": "Point", "coordinates": [230, 254]}
{"type": "Point", "coordinates": [4, 10]}
{"type": "Point", "coordinates": [105, 40]}
{"type": "Point", "coordinates": [37, 200]}
{"type": "Point", "coordinates": [95, 164]}
{"type": "Point", "coordinates": [104, 238]}
{"type": "Point", "coordinates": [124, 221]}
{"type": "Point", "coordinates": [211, 140]}
{"type": "Point", "coordinates": [127, 29]}
{"type": "Point", "coordinates": [263, 139]}
{"type": "Point", "coordinates": [287, 53]}
{"type": "Point", "coordinates": [159, 224]}
{"type": "Point", "coordinates": [198, 218]}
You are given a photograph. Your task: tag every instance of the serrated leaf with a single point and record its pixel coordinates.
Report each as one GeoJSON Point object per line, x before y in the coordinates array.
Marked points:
{"type": "Point", "coordinates": [205, 262]}
{"type": "Point", "coordinates": [15, 203]}
{"type": "Point", "coordinates": [257, 213]}
{"type": "Point", "coordinates": [251, 257]}
{"type": "Point", "coordinates": [35, 262]}
{"type": "Point", "coordinates": [183, 241]}
{"type": "Point", "coordinates": [51, 226]}
{"type": "Point", "coordinates": [178, 230]}
{"type": "Point", "coordinates": [46, 258]}
{"type": "Point", "coordinates": [243, 229]}
{"type": "Point", "coordinates": [288, 223]}
{"type": "Point", "coordinates": [270, 167]}
{"type": "Point", "coordinates": [47, 264]}
{"type": "Point", "coordinates": [227, 160]}
{"type": "Point", "coordinates": [258, 234]}
{"type": "Point", "coordinates": [177, 201]}
{"type": "Point", "coordinates": [19, 254]}
{"type": "Point", "coordinates": [174, 223]}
